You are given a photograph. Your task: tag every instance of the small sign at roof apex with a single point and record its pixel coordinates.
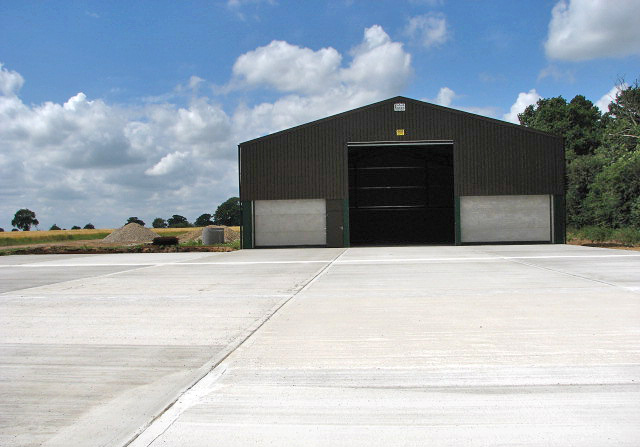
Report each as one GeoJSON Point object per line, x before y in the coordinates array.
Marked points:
{"type": "Point", "coordinates": [399, 107]}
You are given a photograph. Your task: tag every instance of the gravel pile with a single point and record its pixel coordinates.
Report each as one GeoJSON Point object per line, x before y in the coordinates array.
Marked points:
{"type": "Point", "coordinates": [131, 233]}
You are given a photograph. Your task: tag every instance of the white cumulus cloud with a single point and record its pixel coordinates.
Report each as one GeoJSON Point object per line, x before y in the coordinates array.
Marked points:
{"type": "Point", "coordinates": [377, 64]}
{"type": "Point", "coordinates": [10, 81]}
{"type": "Point", "coordinates": [86, 160]}
{"type": "Point", "coordinates": [167, 164]}
{"type": "Point", "coordinates": [379, 68]}
{"type": "Point", "coordinates": [609, 97]}
{"type": "Point", "coordinates": [429, 30]}
{"type": "Point", "coordinates": [589, 29]}
{"type": "Point", "coordinates": [524, 99]}
{"type": "Point", "coordinates": [288, 68]}
{"type": "Point", "coordinates": [445, 96]}
{"type": "Point", "coordinates": [75, 159]}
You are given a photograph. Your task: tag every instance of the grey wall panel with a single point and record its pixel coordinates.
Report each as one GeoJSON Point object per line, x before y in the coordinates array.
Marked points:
{"type": "Point", "coordinates": [505, 218]}
{"type": "Point", "coordinates": [490, 157]}
{"type": "Point", "coordinates": [289, 222]}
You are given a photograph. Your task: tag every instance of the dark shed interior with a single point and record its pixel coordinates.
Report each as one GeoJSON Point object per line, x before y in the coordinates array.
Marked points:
{"type": "Point", "coordinates": [401, 194]}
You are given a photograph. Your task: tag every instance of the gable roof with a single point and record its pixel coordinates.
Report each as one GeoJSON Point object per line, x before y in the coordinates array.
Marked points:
{"type": "Point", "coordinates": [406, 100]}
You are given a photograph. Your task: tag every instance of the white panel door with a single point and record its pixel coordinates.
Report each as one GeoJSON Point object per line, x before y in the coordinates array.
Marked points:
{"type": "Point", "coordinates": [290, 222]}
{"type": "Point", "coordinates": [505, 218]}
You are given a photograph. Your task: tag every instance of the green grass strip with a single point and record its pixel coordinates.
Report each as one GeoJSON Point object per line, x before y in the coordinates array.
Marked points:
{"type": "Point", "coordinates": [625, 236]}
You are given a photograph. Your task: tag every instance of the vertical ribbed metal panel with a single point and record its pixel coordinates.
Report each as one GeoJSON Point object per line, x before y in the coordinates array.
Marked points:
{"type": "Point", "coordinates": [490, 157]}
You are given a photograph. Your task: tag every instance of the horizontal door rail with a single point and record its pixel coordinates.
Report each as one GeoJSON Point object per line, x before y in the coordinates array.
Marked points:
{"type": "Point", "coordinates": [399, 143]}
{"type": "Point", "coordinates": [388, 187]}
{"type": "Point", "coordinates": [385, 167]}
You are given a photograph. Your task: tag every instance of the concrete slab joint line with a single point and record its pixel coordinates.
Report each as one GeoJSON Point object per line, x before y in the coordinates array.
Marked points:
{"type": "Point", "coordinates": [322, 261]}
{"type": "Point", "coordinates": [519, 260]}
{"type": "Point", "coordinates": [207, 382]}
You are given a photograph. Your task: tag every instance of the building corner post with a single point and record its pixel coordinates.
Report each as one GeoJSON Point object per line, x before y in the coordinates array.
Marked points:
{"type": "Point", "coordinates": [458, 230]}
{"type": "Point", "coordinates": [346, 237]}
{"type": "Point", "coordinates": [559, 219]}
{"type": "Point", "coordinates": [246, 229]}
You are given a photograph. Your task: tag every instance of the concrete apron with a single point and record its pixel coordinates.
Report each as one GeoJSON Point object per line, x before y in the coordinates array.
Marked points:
{"type": "Point", "coordinates": [446, 346]}
{"type": "Point", "coordinates": [93, 348]}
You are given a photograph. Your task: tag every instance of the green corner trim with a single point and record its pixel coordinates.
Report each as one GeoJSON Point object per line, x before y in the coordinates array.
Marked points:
{"type": "Point", "coordinates": [247, 224]}
{"type": "Point", "coordinates": [458, 230]}
{"type": "Point", "coordinates": [346, 238]}
{"type": "Point", "coordinates": [559, 217]}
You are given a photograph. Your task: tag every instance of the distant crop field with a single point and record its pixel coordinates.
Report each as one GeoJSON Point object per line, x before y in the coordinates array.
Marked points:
{"type": "Point", "coordinates": [44, 237]}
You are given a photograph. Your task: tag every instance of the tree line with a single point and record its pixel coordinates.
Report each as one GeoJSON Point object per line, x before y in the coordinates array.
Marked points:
{"type": "Point", "coordinates": [228, 213]}
{"type": "Point", "coordinates": [602, 152]}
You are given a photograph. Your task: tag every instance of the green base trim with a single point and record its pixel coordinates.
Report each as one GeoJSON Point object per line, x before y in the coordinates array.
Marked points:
{"type": "Point", "coordinates": [346, 236]}
{"type": "Point", "coordinates": [559, 220]}
{"type": "Point", "coordinates": [458, 230]}
{"type": "Point", "coordinates": [246, 229]}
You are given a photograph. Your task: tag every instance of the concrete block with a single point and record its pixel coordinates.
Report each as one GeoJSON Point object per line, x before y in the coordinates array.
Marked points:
{"type": "Point", "coordinates": [290, 222]}
{"type": "Point", "coordinates": [505, 218]}
{"type": "Point", "coordinates": [212, 236]}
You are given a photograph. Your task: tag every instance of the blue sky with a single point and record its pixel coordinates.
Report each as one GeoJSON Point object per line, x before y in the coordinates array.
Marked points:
{"type": "Point", "coordinates": [114, 109]}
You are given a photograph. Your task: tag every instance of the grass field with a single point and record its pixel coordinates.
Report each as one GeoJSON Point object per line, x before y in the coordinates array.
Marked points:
{"type": "Point", "coordinates": [45, 237]}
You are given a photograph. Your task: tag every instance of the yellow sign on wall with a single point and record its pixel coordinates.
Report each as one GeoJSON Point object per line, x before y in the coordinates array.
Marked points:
{"type": "Point", "coordinates": [399, 132]}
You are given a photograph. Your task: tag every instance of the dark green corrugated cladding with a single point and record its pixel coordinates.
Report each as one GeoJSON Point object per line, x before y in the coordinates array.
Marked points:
{"type": "Point", "coordinates": [402, 171]}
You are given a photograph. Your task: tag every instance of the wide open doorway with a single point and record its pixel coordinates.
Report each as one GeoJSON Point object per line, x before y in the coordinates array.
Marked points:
{"type": "Point", "coordinates": [401, 193]}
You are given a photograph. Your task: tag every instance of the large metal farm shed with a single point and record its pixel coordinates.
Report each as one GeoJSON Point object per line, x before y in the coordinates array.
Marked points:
{"type": "Point", "coordinates": [402, 171]}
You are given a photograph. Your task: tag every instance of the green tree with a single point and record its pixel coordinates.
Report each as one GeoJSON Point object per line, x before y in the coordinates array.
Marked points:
{"type": "Point", "coordinates": [159, 222]}
{"type": "Point", "coordinates": [75, 227]}
{"type": "Point", "coordinates": [585, 126]}
{"type": "Point", "coordinates": [135, 220]}
{"type": "Point", "coordinates": [621, 133]}
{"type": "Point", "coordinates": [24, 219]}
{"type": "Point", "coordinates": [228, 213]}
{"type": "Point", "coordinates": [89, 226]}
{"type": "Point", "coordinates": [579, 122]}
{"type": "Point", "coordinates": [203, 220]}
{"type": "Point", "coordinates": [178, 221]}
{"type": "Point", "coordinates": [548, 114]}
{"type": "Point", "coordinates": [580, 175]}
{"type": "Point", "coordinates": [634, 218]}
{"type": "Point", "coordinates": [54, 227]}
{"type": "Point", "coordinates": [613, 198]}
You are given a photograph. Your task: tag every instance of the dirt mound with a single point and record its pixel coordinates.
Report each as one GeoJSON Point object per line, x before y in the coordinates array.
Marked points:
{"type": "Point", "coordinates": [131, 233]}
{"type": "Point", "coordinates": [230, 234]}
